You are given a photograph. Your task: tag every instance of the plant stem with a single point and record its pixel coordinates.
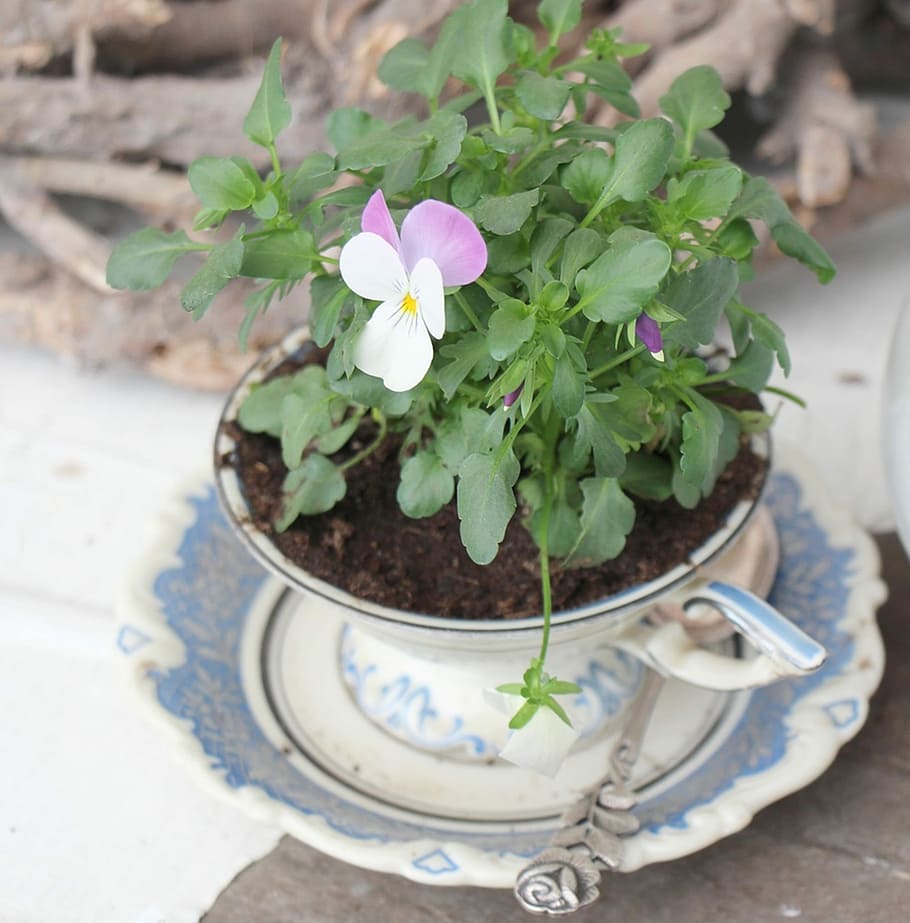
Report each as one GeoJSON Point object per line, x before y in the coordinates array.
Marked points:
{"type": "Point", "coordinates": [545, 591]}
{"type": "Point", "coordinates": [369, 449]}
{"type": "Point", "coordinates": [276, 163]}
{"type": "Point", "coordinates": [617, 360]}
{"type": "Point", "coordinates": [468, 310]}
{"type": "Point", "coordinates": [489, 96]}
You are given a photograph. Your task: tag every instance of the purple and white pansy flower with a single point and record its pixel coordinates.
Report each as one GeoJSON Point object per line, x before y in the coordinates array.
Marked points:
{"type": "Point", "coordinates": [439, 246]}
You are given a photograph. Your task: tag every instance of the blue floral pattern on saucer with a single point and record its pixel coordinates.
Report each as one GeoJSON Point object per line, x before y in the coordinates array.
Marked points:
{"type": "Point", "coordinates": [204, 599]}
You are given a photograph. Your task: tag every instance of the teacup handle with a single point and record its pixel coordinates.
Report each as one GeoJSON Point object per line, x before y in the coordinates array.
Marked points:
{"type": "Point", "coordinates": [785, 649]}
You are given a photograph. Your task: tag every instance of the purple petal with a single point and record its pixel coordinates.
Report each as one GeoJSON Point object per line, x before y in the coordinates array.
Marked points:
{"type": "Point", "coordinates": [377, 220]}
{"type": "Point", "coordinates": [446, 236]}
{"type": "Point", "coordinates": [512, 396]}
{"type": "Point", "coordinates": [648, 331]}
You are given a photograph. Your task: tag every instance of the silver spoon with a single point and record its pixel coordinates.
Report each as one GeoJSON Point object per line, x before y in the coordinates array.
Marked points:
{"type": "Point", "coordinates": [565, 876]}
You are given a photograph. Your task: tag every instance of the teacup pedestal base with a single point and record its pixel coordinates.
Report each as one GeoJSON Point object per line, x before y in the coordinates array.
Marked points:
{"type": "Point", "coordinates": [291, 647]}
{"type": "Point", "coordinates": [431, 693]}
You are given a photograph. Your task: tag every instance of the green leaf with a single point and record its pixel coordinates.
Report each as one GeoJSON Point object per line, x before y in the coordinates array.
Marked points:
{"type": "Point", "coordinates": [700, 296]}
{"type": "Point", "coordinates": [770, 335]}
{"type": "Point", "coordinates": [568, 387]}
{"type": "Point", "coordinates": [701, 430]}
{"type": "Point", "coordinates": [486, 502]}
{"type": "Point", "coordinates": [523, 715]}
{"type": "Point", "coordinates": [752, 369]}
{"type": "Point", "coordinates": [581, 247]}
{"type": "Point", "coordinates": [696, 101]}
{"type": "Point", "coordinates": [316, 171]}
{"type": "Point", "coordinates": [627, 415]}
{"type": "Point", "coordinates": [466, 188]}
{"type": "Point", "coordinates": [480, 50]}
{"type": "Point", "coordinates": [648, 476]}
{"type": "Point", "coordinates": [618, 283]}
{"type": "Point", "coordinates": [223, 264]}
{"type": "Point", "coordinates": [447, 130]}
{"type": "Point", "coordinates": [404, 68]}
{"type": "Point", "coordinates": [559, 16]}
{"type": "Point", "coordinates": [509, 254]}
{"type": "Point", "coordinates": [347, 126]}
{"type": "Point", "coordinates": [639, 161]}
{"type": "Point", "coordinates": [368, 391]}
{"type": "Point", "coordinates": [270, 113]}
{"type": "Point", "coordinates": [546, 238]}
{"type": "Point", "coordinates": [703, 194]}
{"type": "Point", "coordinates": [795, 241]}
{"type": "Point", "coordinates": [607, 517]}
{"type": "Point", "coordinates": [410, 67]}
{"type": "Point", "coordinates": [145, 258]}
{"type": "Point", "coordinates": [315, 487]}
{"type": "Point", "coordinates": [266, 206]}
{"type": "Point", "coordinates": [468, 353]}
{"type": "Point", "coordinates": [261, 411]}
{"type": "Point", "coordinates": [207, 218]}
{"type": "Point", "coordinates": [759, 199]}
{"type": "Point", "coordinates": [473, 430]}
{"type": "Point", "coordinates": [736, 240]}
{"type": "Point", "coordinates": [426, 486]}
{"type": "Point", "coordinates": [328, 295]}
{"type": "Point", "coordinates": [279, 255]}
{"type": "Point", "coordinates": [440, 137]}
{"type": "Point", "coordinates": [510, 326]}
{"type": "Point", "coordinates": [338, 437]}
{"type": "Point", "coordinates": [303, 418]}
{"type": "Point", "coordinates": [587, 175]}
{"type": "Point", "coordinates": [382, 146]}
{"type": "Point", "coordinates": [610, 82]}
{"type": "Point", "coordinates": [510, 140]}
{"type": "Point", "coordinates": [594, 434]}
{"type": "Point", "coordinates": [543, 97]}
{"type": "Point", "coordinates": [564, 528]}
{"type": "Point", "coordinates": [221, 184]}
{"type": "Point", "coordinates": [504, 215]}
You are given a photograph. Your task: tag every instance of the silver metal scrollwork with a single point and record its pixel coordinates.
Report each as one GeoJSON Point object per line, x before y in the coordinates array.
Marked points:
{"type": "Point", "coordinates": [565, 876]}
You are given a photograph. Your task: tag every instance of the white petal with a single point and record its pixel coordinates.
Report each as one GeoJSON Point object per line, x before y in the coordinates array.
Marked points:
{"type": "Point", "coordinates": [542, 744]}
{"type": "Point", "coordinates": [426, 287]}
{"type": "Point", "coordinates": [372, 268]}
{"type": "Point", "coordinates": [394, 346]}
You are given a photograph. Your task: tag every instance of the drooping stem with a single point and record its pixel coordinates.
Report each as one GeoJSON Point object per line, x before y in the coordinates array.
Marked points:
{"type": "Point", "coordinates": [545, 590]}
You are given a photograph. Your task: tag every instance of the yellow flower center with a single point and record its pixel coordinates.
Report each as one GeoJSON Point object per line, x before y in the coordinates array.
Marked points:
{"type": "Point", "coordinates": [409, 304]}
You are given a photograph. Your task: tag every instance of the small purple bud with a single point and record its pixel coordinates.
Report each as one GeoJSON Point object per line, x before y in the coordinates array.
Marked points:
{"type": "Point", "coordinates": [512, 396]}
{"type": "Point", "coordinates": [648, 331]}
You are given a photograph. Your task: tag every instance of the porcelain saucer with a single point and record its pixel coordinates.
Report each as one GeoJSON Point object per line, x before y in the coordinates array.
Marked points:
{"type": "Point", "coordinates": [201, 624]}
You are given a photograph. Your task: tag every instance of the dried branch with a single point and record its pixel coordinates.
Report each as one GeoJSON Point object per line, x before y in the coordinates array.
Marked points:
{"type": "Point", "coordinates": [826, 127]}
{"type": "Point", "coordinates": [39, 220]}
{"type": "Point", "coordinates": [42, 305]}
{"type": "Point", "coordinates": [167, 118]}
{"type": "Point", "coordinates": [144, 186]}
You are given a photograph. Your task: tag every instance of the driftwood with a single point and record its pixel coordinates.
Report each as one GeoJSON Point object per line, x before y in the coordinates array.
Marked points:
{"type": "Point", "coordinates": [825, 127]}
{"type": "Point", "coordinates": [43, 305]}
{"type": "Point", "coordinates": [112, 99]}
{"type": "Point", "coordinates": [166, 118]}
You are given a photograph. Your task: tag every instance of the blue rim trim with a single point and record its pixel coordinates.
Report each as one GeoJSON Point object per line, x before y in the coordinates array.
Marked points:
{"type": "Point", "coordinates": [205, 600]}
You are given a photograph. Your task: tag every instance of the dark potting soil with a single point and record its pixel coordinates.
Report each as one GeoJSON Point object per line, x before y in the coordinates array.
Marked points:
{"type": "Point", "coordinates": [368, 547]}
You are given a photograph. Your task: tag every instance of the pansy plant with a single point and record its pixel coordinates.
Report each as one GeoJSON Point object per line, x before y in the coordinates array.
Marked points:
{"type": "Point", "coordinates": [549, 299]}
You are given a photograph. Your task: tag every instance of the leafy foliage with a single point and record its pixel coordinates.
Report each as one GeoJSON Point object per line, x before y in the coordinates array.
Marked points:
{"type": "Point", "coordinates": [541, 382]}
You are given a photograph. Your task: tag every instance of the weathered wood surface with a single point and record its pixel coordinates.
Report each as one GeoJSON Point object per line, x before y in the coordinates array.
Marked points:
{"type": "Point", "coordinates": [836, 852]}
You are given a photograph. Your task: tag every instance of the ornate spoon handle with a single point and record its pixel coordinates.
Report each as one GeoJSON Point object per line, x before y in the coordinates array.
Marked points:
{"type": "Point", "coordinates": [565, 876]}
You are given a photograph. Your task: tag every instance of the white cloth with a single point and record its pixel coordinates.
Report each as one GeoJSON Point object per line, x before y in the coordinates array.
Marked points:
{"type": "Point", "coordinates": [98, 818]}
